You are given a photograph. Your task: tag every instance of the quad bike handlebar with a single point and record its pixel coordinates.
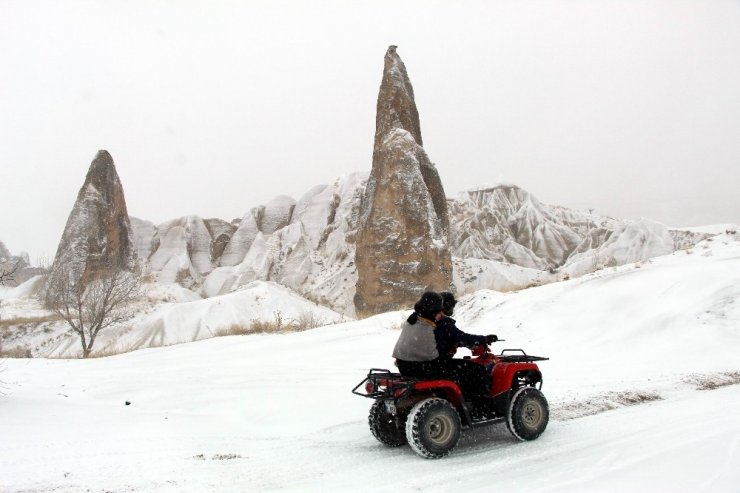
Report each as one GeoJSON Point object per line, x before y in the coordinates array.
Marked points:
{"type": "Point", "coordinates": [483, 349]}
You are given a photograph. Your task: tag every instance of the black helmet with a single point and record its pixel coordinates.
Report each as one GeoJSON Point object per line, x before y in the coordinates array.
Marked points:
{"type": "Point", "coordinates": [448, 303]}
{"type": "Point", "coordinates": [429, 305]}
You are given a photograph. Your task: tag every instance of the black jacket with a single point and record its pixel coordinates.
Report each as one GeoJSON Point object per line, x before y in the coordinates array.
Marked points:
{"type": "Point", "coordinates": [449, 337]}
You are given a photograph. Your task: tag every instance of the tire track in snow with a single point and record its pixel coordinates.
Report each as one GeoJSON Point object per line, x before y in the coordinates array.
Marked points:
{"type": "Point", "coordinates": [606, 401]}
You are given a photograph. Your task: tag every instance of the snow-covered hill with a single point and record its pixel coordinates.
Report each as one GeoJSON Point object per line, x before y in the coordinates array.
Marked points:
{"type": "Point", "coordinates": [640, 358]}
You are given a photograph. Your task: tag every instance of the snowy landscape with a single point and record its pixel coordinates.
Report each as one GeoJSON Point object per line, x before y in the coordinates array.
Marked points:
{"type": "Point", "coordinates": [255, 226]}
{"type": "Point", "coordinates": [641, 383]}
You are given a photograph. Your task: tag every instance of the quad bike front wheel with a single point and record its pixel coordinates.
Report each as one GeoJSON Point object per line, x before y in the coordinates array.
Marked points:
{"type": "Point", "coordinates": [433, 428]}
{"type": "Point", "coordinates": [528, 413]}
{"type": "Point", "coordinates": [388, 429]}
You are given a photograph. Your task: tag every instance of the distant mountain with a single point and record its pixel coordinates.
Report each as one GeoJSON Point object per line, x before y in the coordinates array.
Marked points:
{"type": "Point", "coordinates": [508, 224]}
{"type": "Point", "coordinates": [504, 238]}
{"type": "Point", "coordinates": [501, 237]}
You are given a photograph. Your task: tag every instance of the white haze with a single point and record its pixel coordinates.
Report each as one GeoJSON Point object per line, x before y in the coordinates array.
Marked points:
{"type": "Point", "coordinates": [210, 108]}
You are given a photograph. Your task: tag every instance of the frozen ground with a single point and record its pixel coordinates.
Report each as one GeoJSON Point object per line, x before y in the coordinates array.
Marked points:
{"type": "Point", "coordinates": [275, 412]}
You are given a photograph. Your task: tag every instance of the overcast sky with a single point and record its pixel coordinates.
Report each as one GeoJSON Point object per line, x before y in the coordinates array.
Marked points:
{"type": "Point", "coordinates": [631, 108]}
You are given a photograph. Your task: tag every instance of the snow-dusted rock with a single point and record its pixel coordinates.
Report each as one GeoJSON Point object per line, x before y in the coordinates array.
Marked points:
{"type": "Point", "coordinates": [183, 252]}
{"type": "Point", "coordinates": [402, 240]}
{"type": "Point", "coordinates": [171, 261]}
{"type": "Point", "coordinates": [632, 242]}
{"type": "Point", "coordinates": [98, 235]}
{"type": "Point", "coordinates": [503, 239]}
{"type": "Point", "coordinates": [313, 254]}
{"type": "Point", "coordinates": [276, 214]}
{"type": "Point", "coordinates": [221, 232]}
{"type": "Point", "coordinates": [241, 240]}
{"type": "Point", "coordinates": [507, 223]}
{"type": "Point", "coordinates": [144, 233]}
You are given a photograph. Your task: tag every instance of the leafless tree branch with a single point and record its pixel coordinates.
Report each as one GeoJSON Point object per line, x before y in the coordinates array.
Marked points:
{"type": "Point", "coordinates": [96, 306]}
{"type": "Point", "coordinates": [7, 273]}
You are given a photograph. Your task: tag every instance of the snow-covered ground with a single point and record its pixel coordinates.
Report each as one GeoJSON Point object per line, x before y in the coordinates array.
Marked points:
{"type": "Point", "coordinates": [275, 412]}
{"type": "Point", "coordinates": [169, 314]}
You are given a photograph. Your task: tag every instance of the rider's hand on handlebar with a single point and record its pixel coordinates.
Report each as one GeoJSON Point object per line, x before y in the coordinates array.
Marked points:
{"type": "Point", "coordinates": [490, 339]}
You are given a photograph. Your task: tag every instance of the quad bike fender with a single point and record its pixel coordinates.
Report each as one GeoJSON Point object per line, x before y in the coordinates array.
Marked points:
{"type": "Point", "coordinates": [507, 376]}
{"type": "Point", "coordinates": [443, 388]}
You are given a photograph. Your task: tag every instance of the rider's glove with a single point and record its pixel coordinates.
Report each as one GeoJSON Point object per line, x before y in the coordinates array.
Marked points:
{"type": "Point", "coordinates": [490, 339]}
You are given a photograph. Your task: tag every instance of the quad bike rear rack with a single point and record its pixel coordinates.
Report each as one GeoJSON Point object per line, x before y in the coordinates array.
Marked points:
{"type": "Point", "coordinates": [381, 383]}
{"type": "Point", "coordinates": [520, 357]}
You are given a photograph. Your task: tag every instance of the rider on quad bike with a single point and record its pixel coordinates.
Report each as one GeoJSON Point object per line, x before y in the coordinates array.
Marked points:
{"type": "Point", "coordinates": [427, 404]}
{"type": "Point", "coordinates": [471, 377]}
{"type": "Point", "coordinates": [424, 353]}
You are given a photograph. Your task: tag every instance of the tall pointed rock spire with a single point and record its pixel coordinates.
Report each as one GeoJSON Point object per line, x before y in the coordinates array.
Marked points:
{"type": "Point", "coordinates": [98, 235]}
{"type": "Point", "coordinates": [402, 241]}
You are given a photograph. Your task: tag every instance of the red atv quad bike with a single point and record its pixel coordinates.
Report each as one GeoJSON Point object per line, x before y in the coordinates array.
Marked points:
{"type": "Point", "coordinates": [429, 415]}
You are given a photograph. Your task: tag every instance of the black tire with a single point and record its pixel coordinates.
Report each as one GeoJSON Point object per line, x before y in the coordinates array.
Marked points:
{"type": "Point", "coordinates": [528, 414]}
{"type": "Point", "coordinates": [433, 428]}
{"type": "Point", "coordinates": [388, 429]}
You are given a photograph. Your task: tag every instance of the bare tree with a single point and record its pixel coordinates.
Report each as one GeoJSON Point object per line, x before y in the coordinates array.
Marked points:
{"type": "Point", "coordinates": [7, 272]}
{"type": "Point", "coordinates": [6, 275]}
{"type": "Point", "coordinates": [91, 307]}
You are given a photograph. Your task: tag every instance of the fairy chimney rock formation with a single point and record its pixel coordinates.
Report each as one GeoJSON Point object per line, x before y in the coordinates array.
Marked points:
{"type": "Point", "coordinates": [402, 242]}
{"type": "Point", "coordinates": [98, 236]}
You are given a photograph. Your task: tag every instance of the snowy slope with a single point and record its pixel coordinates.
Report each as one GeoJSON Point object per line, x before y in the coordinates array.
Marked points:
{"type": "Point", "coordinates": [274, 412]}
{"type": "Point", "coordinates": [170, 314]}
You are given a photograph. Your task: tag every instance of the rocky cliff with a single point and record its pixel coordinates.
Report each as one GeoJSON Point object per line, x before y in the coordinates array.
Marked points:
{"type": "Point", "coordinates": [508, 224]}
{"type": "Point", "coordinates": [503, 238]}
{"type": "Point", "coordinates": [98, 236]}
{"type": "Point", "coordinates": [306, 245]}
{"type": "Point", "coordinates": [310, 250]}
{"type": "Point", "coordinates": [402, 238]}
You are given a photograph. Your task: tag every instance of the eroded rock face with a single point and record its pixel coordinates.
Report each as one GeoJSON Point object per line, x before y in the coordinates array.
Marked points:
{"type": "Point", "coordinates": [98, 236]}
{"type": "Point", "coordinates": [508, 224]}
{"type": "Point", "coordinates": [402, 239]}
{"type": "Point", "coordinates": [313, 254]}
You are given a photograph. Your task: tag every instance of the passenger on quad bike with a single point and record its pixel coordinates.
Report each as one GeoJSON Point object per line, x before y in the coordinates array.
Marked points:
{"type": "Point", "coordinates": [416, 349]}
{"type": "Point", "coordinates": [429, 339]}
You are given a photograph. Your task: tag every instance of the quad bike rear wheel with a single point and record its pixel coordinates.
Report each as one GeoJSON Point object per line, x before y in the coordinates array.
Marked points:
{"type": "Point", "coordinates": [433, 428]}
{"type": "Point", "coordinates": [528, 414]}
{"type": "Point", "coordinates": [388, 429]}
